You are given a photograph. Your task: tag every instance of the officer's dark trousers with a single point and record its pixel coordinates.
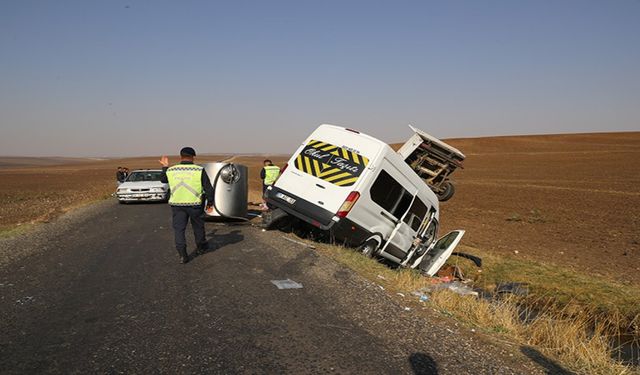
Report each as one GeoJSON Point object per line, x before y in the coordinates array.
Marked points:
{"type": "Point", "coordinates": [181, 216]}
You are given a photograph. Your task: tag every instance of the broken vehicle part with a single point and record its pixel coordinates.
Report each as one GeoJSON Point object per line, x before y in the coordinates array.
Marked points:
{"type": "Point", "coordinates": [433, 160]}
{"type": "Point", "coordinates": [440, 251]}
{"type": "Point", "coordinates": [451, 271]}
{"type": "Point", "coordinates": [454, 286]}
{"type": "Point", "coordinates": [515, 288]}
{"type": "Point", "coordinates": [286, 284]}
{"type": "Point", "coordinates": [476, 260]}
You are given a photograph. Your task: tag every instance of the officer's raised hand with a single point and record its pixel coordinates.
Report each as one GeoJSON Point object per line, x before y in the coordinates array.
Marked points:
{"type": "Point", "coordinates": [164, 161]}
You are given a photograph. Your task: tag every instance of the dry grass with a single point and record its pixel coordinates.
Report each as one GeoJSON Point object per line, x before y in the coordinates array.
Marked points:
{"type": "Point", "coordinates": [578, 337]}
{"type": "Point", "coordinates": [574, 340]}
{"type": "Point", "coordinates": [555, 286]}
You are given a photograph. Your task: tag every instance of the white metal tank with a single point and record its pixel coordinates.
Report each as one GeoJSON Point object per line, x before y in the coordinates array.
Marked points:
{"type": "Point", "coordinates": [231, 183]}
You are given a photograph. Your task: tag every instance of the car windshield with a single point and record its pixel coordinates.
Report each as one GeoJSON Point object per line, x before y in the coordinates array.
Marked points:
{"type": "Point", "coordinates": [144, 176]}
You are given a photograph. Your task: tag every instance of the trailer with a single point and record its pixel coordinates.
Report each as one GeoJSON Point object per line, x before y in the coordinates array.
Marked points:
{"type": "Point", "coordinates": [433, 160]}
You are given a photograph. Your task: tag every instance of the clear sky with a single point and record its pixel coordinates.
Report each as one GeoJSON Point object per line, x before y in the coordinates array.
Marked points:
{"type": "Point", "coordinates": [109, 78]}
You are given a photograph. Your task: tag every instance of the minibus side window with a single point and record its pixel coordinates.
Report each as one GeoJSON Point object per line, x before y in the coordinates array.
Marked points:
{"type": "Point", "coordinates": [390, 195]}
{"type": "Point", "coordinates": [403, 204]}
{"type": "Point", "coordinates": [417, 213]}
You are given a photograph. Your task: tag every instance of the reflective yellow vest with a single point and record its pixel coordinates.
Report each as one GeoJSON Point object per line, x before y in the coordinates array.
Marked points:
{"type": "Point", "coordinates": [185, 183]}
{"type": "Point", "coordinates": [271, 174]}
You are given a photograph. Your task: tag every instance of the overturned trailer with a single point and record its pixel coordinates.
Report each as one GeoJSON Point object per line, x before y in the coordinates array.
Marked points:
{"type": "Point", "coordinates": [433, 160]}
{"type": "Point", "coordinates": [230, 184]}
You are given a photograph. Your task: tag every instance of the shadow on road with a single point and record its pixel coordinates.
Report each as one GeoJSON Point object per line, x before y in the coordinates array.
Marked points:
{"type": "Point", "coordinates": [142, 203]}
{"type": "Point", "coordinates": [218, 241]}
{"type": "Point", "coordinates": [549, 365]}
{"type": "Point", "coordinates": [423, 364]}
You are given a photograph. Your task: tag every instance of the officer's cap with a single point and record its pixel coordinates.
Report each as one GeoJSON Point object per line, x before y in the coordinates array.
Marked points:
{"type": "Point", "coordinates": [187, 151]}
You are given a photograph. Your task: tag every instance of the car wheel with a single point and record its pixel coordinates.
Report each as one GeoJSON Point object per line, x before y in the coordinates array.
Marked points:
{"type": "Point", "coordinates": [446, 192]}
{"type": "Point", "coordinates": [369, 248]}
{"type": "Point", "coordinates": [276, 219]}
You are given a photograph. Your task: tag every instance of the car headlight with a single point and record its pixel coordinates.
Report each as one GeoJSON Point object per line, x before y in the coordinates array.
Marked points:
{"type": "Point", "coordinates": [158, 190]}
{"type": "Point", "coordinates": [121, 190]}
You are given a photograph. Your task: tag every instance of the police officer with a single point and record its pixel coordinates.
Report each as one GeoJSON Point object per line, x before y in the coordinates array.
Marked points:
{"type": "Point", "coordinates": [269, 174]}
{"type": "Point", "coordinates": [187, 183]}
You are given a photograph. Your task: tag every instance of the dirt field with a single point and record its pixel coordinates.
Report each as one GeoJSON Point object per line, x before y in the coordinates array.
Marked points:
{"type": "Point", "coordinates": [572, 200]}
{"type": "Point", "coordinates": [36, 192]}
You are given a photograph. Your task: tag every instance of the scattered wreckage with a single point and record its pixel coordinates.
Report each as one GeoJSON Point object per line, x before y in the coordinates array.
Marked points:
{"type": "Point", "coordinates": [356, 190]}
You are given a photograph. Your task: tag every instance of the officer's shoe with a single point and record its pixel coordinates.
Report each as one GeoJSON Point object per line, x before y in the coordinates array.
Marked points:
{"type": "Point", "coordinates": [184, 260]}
{"type": "Point", "coordinates": [202, 249]}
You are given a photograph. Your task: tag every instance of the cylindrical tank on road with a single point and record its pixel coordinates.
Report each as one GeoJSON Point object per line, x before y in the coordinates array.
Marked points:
{"type": "Point", "coordinates": [232, 188]}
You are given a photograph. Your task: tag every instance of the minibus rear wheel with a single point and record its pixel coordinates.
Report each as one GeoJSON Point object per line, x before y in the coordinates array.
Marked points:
{"type": "Point", "coordinates": [369, 248]}
{"type": "Point", "coordinates": [276, 219]}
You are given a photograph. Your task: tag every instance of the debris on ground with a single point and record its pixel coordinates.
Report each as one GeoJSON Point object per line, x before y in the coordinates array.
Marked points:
{"type": "Point", "coordinates": [518, 289]}
{"type": "Point", "coordinates": [298, 242]}
{"type": "Point", "coordinates": [286, 284]}
{"type": "Point", "coordinates": [421, 296]}
{"type": "Point", "coordinates": [24, 300]}
{"type": "Point", "coordinates": [438, 280]}
{"type": "Point", "coordinates": [381, 277]}
{"type": "Point", "coordinates": [451, 272]}
{"type": "Point", "coordinates": [476, 260]}
{"type": "Point", "coordinates": [455, 286]}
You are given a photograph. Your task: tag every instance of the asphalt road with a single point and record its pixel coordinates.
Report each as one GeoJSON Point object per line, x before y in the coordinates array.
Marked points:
{"type": "Point", "coordinates": [101, 291]}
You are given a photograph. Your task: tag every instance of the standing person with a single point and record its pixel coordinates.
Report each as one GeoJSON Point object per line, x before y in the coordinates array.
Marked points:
{"type": "Point", "coordinates": [188, 182]}
{"type": "Point", "coordinates": [126, 172]}
{"type": "Point", "coordinates": [120, 175]}
{"type": "Point", "coordinates": [269, 174]}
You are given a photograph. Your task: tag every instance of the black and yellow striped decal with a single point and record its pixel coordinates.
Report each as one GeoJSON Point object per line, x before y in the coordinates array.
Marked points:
{"type": "Point", "coordinates": [331, 163]}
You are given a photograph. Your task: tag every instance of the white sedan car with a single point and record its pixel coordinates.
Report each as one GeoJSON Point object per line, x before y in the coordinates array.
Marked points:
{"type": "Point", "coordinates": [143, 185]}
